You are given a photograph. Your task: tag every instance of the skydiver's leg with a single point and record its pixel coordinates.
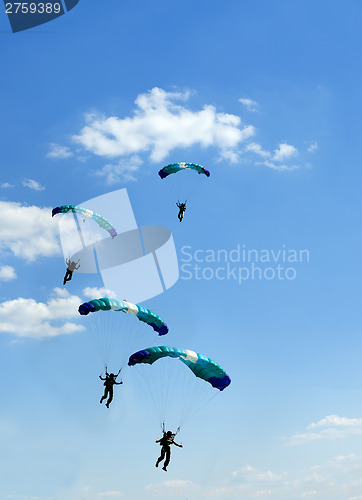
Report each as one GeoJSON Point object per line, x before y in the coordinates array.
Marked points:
{"type": "Point", "coordinates": [68, 276]}
{"type": "Point", "coordinates": [161, 457]}
{"type": "Point", "coordinates": [104, 395]}
{"type": "Point", "coordinates": [110, 392]}
{"type": "Point", "coordinates": [168, 456]}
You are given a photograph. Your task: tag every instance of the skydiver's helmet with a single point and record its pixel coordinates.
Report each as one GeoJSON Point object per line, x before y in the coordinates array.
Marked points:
{"type": "Point", "coordinates": [111, 375]}
{"type": "Point", "coordinates": [169, 434]}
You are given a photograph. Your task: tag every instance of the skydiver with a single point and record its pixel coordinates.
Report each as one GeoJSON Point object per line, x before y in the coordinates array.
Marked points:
{"type": "Point", "coordinates": [166, 441]}
{"type": "Point", "coordinates": [71, 266]}
{"type": "Point", "coordinates": [110, 381]}
{"type": "Point", "coordinates": [182, 209]}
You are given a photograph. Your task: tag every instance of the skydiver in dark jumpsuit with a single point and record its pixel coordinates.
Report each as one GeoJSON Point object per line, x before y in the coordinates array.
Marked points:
{"type": "Point", "coordinates": [71, 266]}
{"type": "Point", "coordinates": [182, 210]}
{"type": "Point", "coordinates": [166, 441]}
{"type": "Point", "coordinates": [110, 381]}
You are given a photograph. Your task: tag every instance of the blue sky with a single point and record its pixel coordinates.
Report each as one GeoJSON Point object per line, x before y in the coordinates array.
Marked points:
{"type": "Point", "coordinates": [267, 96]}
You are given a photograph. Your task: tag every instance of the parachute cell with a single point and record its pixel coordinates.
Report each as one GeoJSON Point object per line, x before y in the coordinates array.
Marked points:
{"type": "Point", "coordinates": [101, 221]}
{"type": "Point", "coordinates": [143, 314]}
{"type": "Point", "coordinates": [177, 167]}
{"type": "Point", "coordinates": [202, 367]}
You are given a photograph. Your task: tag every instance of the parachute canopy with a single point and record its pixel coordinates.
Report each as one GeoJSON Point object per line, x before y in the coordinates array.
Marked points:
{"type": "Point", "coordinates": [101, 221]}
{"type": "Point", "coordinates": [107, 304]}
{"type": "Point", "coordinates": [176, 167]}
{"type": "Point", "coordinates": [204, 368]}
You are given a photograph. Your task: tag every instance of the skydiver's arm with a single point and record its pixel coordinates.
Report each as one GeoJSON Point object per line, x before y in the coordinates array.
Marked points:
{"type": "Point", "coordinates": [100, 376]}
{"type": "Point", "coordinates": [179, 445]}
{"type": "Point", "coordinates": [158, 440]}
{"type": "Point", "coordinates": [118, 383]}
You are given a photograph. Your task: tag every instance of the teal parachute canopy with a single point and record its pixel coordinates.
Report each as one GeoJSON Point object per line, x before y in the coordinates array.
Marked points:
{"type": "Point", "coordinates": [101, 221]}
{"type": "Point", "coordinates": [107, 304]}
{"type": "Point", "coordinates": [177, 167]}
{"type": "Point", "coordinates": [202, 367]}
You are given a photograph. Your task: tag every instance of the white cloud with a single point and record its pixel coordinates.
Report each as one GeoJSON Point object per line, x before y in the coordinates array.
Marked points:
{"type": "Point", "coordinates": [331, 427]}
{"type": "Point", "coordinates": [120, 172]}
{"type": "Point", "coordinates": [313, 146]}
{"type": "Point", "coordinates": [257, 149]}
{"type": "Point", "coordinates": [7, 273]}
{"type": "Point", "coordinates": [38, 319]}
{"type": "Point", "coordinates": [174, 487]}
{"type": "Point", "coordinates": [281, 167]}
{"type": "Point", "coordinates": [230, 156]}
{"type": "Point", "coordinates": [249, 104]}
{"type": "Point", "coordinates": [27, 231]}
{"type": "Point", "coordinates": [251, 474]}
{"type": "Point", "coordinates": [110, 494]}
{"type": "Point", "coordinates": [335, 420]}
{"type": "Point", "coordinates": [338, 476]}
{"type": "Point", "coordinates": [6, 185]}
{"type": "Point", "coordinates": [58, 151]}
{"type": "Point", "coordinates": [94, 292]}
{"type": "Point", "coordinates": [284, 152]}
{"type": "Point", "coordinates": [30, 183]}
{"type": "Point", "coordinates": [161, 124]}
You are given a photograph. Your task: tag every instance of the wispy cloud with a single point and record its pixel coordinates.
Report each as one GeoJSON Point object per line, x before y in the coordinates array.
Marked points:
{"type": "Point", "coordinates": [123, 171]}
{"type": "Point", "coordinates": [59, 152]}
{"type": "Point", "coordinates": [7, 273]}
{"type": "Point", "coordinates": [250, 473]}
{"type": "Point", "coordinates": [256, 148]}
{"type": "Point", "coordinates": [95, 292]}
{"type": "Point", "coordinates": [6, 185]}
{"type": "Point", "coordinates": [38, 319]}
{"type": "Point", "coordinates": [27, 231]}
{"type": "Point", "coordinates": [174, 487]}
{"type": "Point", "coordinates": [276, 160]}
{"type": "Point", "coordinates": [30, 183]}
{"type": "Point", "coordinates": [313, 146]}
{"type": "Point", "coordinates": [250, 104]}
{"type": "Point", "coordinates": [280, 167]}
{"type": "Point", "coordinates": [323, 479]}
{"type": "Point", "coordinates": [110, 494]}
{"type": "Point", "coordinates": [331, 427]}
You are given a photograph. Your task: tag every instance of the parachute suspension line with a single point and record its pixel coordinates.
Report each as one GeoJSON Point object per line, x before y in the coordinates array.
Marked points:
{"type": "Point", "coordinates": [147, 383]}
{"type": "Point", "coordinates": [192, 413]}
{"type": "Point", "coordinates": [79, 230]}
{"type": "Point", "coordinates": [103, 335]}
{"type": "Point", "coordinates": [171, 380]}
